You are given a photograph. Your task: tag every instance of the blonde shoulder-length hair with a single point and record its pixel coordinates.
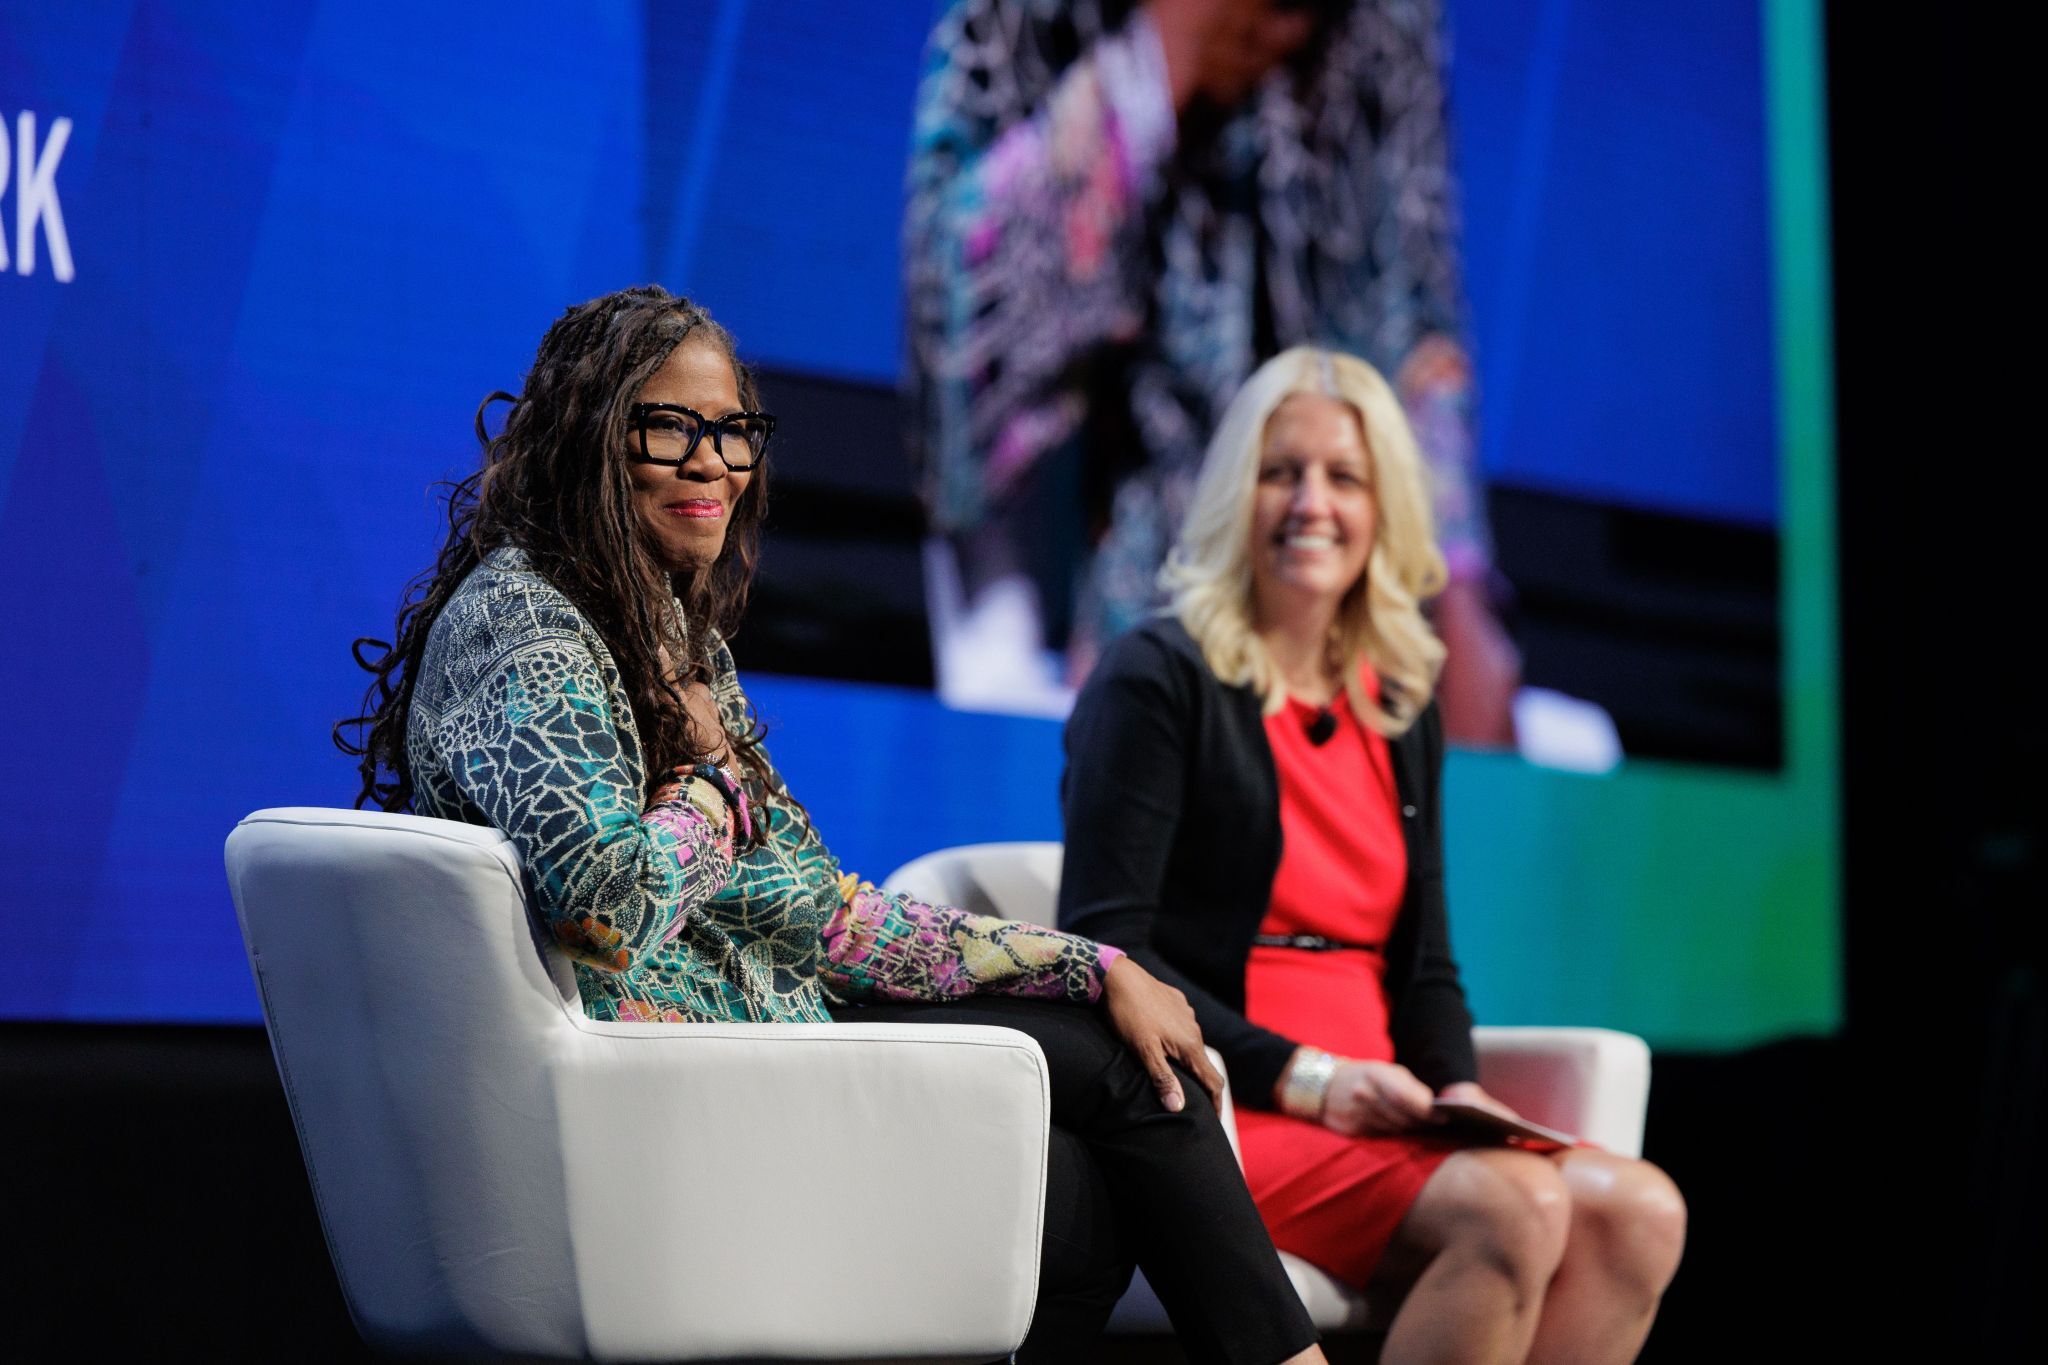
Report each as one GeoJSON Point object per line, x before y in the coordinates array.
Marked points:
{"type": "Point", "coordinates": [1208, 576]}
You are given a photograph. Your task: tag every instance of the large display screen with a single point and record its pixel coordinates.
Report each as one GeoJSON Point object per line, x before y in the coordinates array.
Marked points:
{"type": "Point", "coordinates": [260, 264]}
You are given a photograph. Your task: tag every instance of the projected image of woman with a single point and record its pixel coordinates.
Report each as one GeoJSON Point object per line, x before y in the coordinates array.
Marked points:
{"type": "Point", "coordinates": [1252, 809]}
{"type": "Point", "coordinates": [561, 674]}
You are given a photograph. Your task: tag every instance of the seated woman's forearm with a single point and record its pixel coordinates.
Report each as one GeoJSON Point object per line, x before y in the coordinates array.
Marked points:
{"type": "Point", "coordinates": [530, 742]}
{"type": "Point", "coordinates": [890, 947]}
{"type": "Point", "coordinates": [1031, 243]}
{"type": "Point", "coordinates": [618, 903]}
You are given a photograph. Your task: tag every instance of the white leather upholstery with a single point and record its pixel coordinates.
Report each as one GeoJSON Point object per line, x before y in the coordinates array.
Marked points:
{"type": "Point", "coordinates": [496, 1173]}
{"type": "Point", "coordinates": [1014, 881]}
{"type": "Point", "coordinates": [1589, 1081]}
{"type": "Point", "coordinates": [1594, 1082]}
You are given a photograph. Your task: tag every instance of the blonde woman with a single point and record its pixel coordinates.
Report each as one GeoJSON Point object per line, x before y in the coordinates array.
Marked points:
{"type": "Point", "coordinates": [1252, 811]}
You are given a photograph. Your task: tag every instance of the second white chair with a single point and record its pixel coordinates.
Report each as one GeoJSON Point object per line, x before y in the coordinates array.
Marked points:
{"type": "Point", "coordinates": [1590, 1081]}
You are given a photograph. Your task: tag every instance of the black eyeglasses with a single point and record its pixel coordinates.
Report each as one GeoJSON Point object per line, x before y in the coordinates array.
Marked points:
{"type": "Point", "coordinates": [669, 433]}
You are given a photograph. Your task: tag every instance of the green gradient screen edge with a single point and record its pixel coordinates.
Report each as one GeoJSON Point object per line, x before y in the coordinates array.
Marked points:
{"type": "Point", "coordinates": [1692, 905]}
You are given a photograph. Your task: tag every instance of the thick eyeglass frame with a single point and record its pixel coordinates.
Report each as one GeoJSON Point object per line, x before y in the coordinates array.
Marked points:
{"type": "Point", "coordinates": [719, 430]}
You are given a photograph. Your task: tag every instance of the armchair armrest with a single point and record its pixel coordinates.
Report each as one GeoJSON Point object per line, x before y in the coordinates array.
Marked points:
{"type": "Point", "coordinates": [1591, 1081]}
{"type": "Point", "coordinates": [782, 1189]}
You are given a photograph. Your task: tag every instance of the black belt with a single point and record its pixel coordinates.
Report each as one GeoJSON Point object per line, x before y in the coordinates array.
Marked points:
{"type": "Point", "coordinates": [1312, 943]}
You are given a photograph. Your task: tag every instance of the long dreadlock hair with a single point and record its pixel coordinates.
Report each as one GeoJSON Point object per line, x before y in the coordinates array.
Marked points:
{"type": "Point", "coordinates": [554, 483]}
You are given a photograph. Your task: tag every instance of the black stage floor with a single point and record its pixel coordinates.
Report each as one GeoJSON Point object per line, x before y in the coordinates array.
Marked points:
{"type": "Point", "coordinates": [156, 1205]}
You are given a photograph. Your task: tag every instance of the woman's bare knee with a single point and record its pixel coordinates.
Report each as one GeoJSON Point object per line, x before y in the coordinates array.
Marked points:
{"type": "Point", "coordinates": [1628, 1214]}
{"type": "Point", "coordinates": [1510, 1208]}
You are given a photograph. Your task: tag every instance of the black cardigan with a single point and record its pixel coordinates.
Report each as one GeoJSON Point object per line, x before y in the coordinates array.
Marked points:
{"type": "Point", "coordinates": [1172, 813]}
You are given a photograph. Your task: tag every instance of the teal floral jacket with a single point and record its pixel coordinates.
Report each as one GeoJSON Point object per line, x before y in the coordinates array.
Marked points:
{"type": "Point", "coordinates": [520, 721]}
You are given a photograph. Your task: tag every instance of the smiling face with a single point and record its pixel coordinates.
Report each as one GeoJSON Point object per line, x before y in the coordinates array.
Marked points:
{"type": "Point", "coordinates": [1313, 512]}
{"type": "Point", "coordinates": [687, 508]}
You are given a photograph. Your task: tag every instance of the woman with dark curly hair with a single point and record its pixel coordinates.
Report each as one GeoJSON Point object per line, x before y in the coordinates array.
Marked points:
{"type": "Point", "coordinates": [561, 674]}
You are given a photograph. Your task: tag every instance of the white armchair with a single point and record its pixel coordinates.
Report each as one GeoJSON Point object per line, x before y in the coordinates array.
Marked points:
{"type": "Point", "coordinates": [497, 1173]}
{"type": "Point", "coordinates": [1590, 1081]}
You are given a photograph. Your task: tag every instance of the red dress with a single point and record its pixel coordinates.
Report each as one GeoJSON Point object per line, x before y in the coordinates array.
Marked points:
{"type": "Point", "coordinates": [1334, 1201]}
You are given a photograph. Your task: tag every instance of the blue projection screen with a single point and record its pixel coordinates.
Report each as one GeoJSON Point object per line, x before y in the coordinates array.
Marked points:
{"type": "Point", "coordinates": [261, 262]}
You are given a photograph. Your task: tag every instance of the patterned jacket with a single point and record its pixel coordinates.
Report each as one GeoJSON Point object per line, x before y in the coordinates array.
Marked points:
{"type": "Point", "coordinates": [1086, 290]}
{"type": "Point", "coordinates": [520, 721]}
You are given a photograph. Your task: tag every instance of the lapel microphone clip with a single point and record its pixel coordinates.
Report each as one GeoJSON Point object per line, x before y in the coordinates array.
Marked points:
{"type": "Point", "coordinates": [1323, 727]}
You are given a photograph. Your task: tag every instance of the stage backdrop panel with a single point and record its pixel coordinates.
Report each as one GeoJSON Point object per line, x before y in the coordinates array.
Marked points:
{"type": "Point", "coordinates": [262, 262]}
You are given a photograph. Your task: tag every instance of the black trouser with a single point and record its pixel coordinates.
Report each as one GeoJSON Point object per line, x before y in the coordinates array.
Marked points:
{"type": "Point", "coordinates": [1127, 1181]}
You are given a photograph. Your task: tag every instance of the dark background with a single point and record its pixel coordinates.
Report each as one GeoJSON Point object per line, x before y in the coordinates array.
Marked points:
{"type": "Point", "coordinates": [1875, 1195]}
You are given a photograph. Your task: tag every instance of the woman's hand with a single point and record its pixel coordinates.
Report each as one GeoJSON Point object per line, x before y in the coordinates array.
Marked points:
{"type": "Point", "coordinates": [1156, 1022]}
{"type": "Point", "coordinates": [707, 728]}
{"type": "Point", "coordinates": [1374, 1097]}
{"type": "Point", "coordinates": [1482, 669]}
{"type": "Point", "coordinates": [700, 708]}
{"type": "Point", "coordinates": [1468, 1092]}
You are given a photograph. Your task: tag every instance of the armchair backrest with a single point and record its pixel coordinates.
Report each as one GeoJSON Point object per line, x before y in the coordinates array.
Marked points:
{"type": "Point", "coordinates": [1019, 881]}
{"type": "Point", "coordinates": [1593, 1082]}
{"type": "Point", "coordinates": [408, 1009]}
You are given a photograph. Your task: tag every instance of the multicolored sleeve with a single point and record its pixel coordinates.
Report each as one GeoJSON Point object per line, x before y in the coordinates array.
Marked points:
{"type": "Point", "coordinates": [534, 747]}
{"type": "Point", "coordinates": [880, 946]}
{"type": "Point", "coordinates": [877, 946]}
{"type": "Point", "coordinates": [1024, 245]}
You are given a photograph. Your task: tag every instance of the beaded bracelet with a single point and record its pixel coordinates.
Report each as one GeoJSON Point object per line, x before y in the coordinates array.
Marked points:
{"type": "Point", "coordinates": [735, 797]}
{"type": "Point", "coordinates": [704, 797]}
{"type": "Point", "coordinates": [1307, 1084]}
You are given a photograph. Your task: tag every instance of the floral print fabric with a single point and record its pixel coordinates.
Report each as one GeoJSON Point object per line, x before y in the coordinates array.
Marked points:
{"type": "Point", "coordinates": [520, 721]}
